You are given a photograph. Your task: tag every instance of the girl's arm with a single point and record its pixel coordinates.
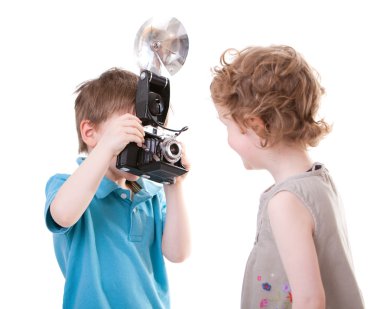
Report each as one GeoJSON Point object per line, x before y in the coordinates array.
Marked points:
{"type": "Point", "coordinates": [293, 227]}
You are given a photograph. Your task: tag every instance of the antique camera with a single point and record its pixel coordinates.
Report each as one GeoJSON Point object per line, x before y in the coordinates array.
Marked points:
{"type": "Point", "coordinates": [158, 43]}
{"type": "Point", "coordinates": [160, 157]}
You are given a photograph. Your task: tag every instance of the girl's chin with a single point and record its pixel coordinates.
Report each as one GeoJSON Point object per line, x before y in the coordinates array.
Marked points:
{"type": "Point", "coordinates": [250, 166]}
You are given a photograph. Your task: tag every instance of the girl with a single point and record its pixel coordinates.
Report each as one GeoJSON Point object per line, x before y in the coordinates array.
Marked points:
{"type": "Point", "coordinates": [268, 98]}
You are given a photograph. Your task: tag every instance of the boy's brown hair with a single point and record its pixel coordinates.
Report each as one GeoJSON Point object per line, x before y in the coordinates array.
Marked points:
{"type": "Point", "coordinates": [276, 85]}
{"type": "Point", "coordinates": [114, 91]}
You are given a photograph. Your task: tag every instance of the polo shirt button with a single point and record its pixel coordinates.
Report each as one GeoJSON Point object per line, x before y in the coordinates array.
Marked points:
{"type": "Point", "coordinates": [123, 196]}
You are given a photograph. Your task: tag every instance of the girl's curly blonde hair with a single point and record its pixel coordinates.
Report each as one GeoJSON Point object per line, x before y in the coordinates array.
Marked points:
{"type": "Point", "coordinates": [276, 85]}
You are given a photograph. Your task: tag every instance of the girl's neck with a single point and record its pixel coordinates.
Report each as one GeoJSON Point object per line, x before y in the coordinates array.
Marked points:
{"type": "Point", "coordinates": [287, 161]}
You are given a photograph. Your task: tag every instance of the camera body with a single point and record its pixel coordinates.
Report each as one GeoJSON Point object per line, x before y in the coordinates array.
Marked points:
{"type": "Point", "coordinates": [160, 157]}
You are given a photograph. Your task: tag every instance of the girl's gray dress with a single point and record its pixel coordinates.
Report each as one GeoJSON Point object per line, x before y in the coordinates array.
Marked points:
{"type": "Point", "coordinates": [265, 283]}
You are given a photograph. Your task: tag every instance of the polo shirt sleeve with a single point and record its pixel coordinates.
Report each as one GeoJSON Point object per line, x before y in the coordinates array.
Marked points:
{"type": "Point", "coordinates": [162, 201]}
{"type": "Point", "coordinates": [51, 189]}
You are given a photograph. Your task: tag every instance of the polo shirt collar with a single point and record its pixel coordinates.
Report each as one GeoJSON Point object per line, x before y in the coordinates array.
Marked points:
{"type": "Point", "coordinates": [107, 186]}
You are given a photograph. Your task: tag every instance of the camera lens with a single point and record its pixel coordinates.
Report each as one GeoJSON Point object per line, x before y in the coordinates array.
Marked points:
{"type": "Point", "coordinates": [174, 149]}
{"type": "Point", "coordinates": [171, 150]}
{"type": "Point", "coordinates": [155, 103]}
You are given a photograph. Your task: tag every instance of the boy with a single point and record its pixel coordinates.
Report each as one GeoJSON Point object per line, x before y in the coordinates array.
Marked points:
{"type": "Point", "coordinates": [268, 99]}
{"type": "Point", "coordinates": [111, 229]}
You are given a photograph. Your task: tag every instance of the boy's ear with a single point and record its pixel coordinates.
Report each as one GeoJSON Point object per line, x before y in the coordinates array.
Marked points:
{"type": "Point", "coordinates": [88, 133]}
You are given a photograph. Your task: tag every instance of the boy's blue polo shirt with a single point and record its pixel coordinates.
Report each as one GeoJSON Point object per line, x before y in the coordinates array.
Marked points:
{"type": "Point", "coordinates": [112, 257]}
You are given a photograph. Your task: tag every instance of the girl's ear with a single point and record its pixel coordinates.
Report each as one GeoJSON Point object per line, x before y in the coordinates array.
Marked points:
{"type": "Point", "coordinates": [88, 133]}
{"type": "Point", "coordinates": [257, 125]}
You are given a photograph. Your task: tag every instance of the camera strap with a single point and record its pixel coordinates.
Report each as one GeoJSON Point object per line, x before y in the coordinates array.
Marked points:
{"type": "Point", "coordinates": [133, 185]}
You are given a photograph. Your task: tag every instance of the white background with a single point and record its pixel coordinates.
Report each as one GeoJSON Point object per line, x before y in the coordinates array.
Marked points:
{"type": "Point", "coordinates": [49, 47]}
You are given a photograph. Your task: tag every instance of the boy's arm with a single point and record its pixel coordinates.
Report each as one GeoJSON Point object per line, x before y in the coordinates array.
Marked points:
{"type": "Point", "coordinates": [76, 193]}
{"type": "Point", "coordinates": [176, 240]}
{"type": "Point", "coordinates": [293, 226]}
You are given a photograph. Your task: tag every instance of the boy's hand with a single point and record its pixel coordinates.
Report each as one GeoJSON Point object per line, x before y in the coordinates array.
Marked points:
{"type": "Point", "coordinates": [185, 162]}
{"type": "Point", "coordinates": [119, 131]}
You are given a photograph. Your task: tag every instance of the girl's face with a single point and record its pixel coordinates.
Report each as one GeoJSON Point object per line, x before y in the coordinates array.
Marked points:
{"type": "Point", "coordinates": [246, 144]}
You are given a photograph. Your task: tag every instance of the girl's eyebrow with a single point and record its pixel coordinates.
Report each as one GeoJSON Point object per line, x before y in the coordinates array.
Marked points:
{"type": "Point", "coordinates": [225, 116]}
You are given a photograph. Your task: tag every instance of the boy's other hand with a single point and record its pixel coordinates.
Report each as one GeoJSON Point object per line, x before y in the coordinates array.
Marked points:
{"type": "Point", "coordinates": [185, 162]}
